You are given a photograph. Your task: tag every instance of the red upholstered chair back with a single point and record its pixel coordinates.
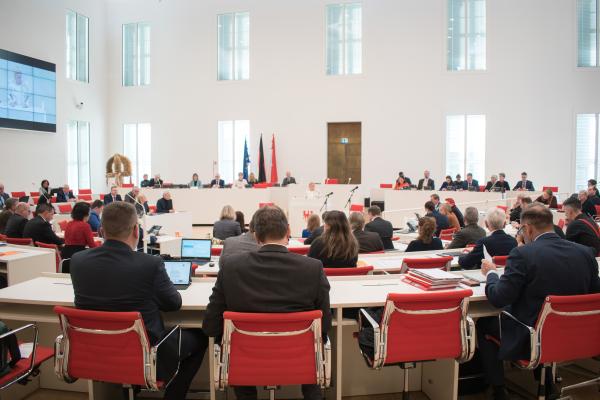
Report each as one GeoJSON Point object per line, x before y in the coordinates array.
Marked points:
{"type": "Point", "coordinates": [597, 209]}
{"type": "Point", "coordinates": [34, 194]}
{"type": "Point", "coordinates": [386, 185]}
{"type": "Point", "coordinates": [424, 326]}
{"type": "Point", "coordinates": [84, 191]}
{"type": "Point", "coordinates": [446, 234]}
{"type": "Point", "coordinates": [127, 185]}
{"type": "Point", "coordinates": [561, 223]}
{"type": "Point", "coordinates": [20, 241]}
{"type": "Point", "coordinates": [17, 195]}
{"type": "Point", "coordinates": [260, 186]}
{"type": "Point", "coordinates": [503, 208]}
{"type": "Point", "coordinates": [331, 181]}
{"type": "Point", "coordinates": [103, 346]}
{"type": "Point", "coordinates": [65, 208]}
{"type": "Point", "coordinates": [482, 188]}
{"type": "Point", "coordinates": [553, 188]}
{"type": "Point", "coordinates": [35, 199]}
{"type": "Point", "coordinates": [2, 237]}
{"type": "Point", "coordinates": [271, 349]}
{"type": "Point", "coordinates": [500, 260]}
{"type": "Point", "coordinates": [348, 271]}
{"type": "Point", "coordinates": [152, 209]}
{"type": "Point", "coordinates": [52, 199]}
{"type": "Point", "coordinates": [423, 263]}
{"type": "Point", "coordinates": [84, 197]}
{"type": "Point", "coordinates": [56, 251]}
{"type": "Point", "coordinates": [357, 208]}
{"type": "Point", "coordinates": [299, 250]}
{"type": "Point", "coordinates": [216, 251]}
{"type": "Point", "coordinates": [261, 205]}
{"type": "Point", "coordinates": [102, 196]}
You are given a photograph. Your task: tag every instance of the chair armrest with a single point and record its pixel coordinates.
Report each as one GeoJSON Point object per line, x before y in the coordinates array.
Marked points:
{"type": "Point", "coordinates": [378, 344]}
{"type": "Point", "coordinates": [155, 348]}
{"type": "Point", "coordinates": [60, 265]}
{"type": "Point", "coordinates": [33, 351]}
{"type": "Point", "coordinates": [534, 343]}
{"type": "Point", "coordinates": [471, 340]}
{"type": "Point", "coordinates": [364, 314]}
{"type": "Point", "coordinates": [529, 328]}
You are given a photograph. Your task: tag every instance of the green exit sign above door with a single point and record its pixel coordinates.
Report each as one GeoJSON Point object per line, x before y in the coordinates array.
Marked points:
{"type": "Point", "coordinates": [344, 140]}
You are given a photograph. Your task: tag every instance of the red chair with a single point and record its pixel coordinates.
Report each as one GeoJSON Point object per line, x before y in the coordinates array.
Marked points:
{"type": "Point", "coordinates": [110, 347]}
{"type": "Point", "coordinates": [357, 208]}
{"type": "Point", "coordinates": [559, 207]}
{"type": "Point", "coordinates": [503, 208]}
{"type": "Point", "coordinates": [2, 237]}
{"type": "Point", "coordinates": [216, 251]}
{"type": "Point", "coordinates": [597, 207]}
{"type": "Point", "coordinates": [261, 205]}
{"type": "Point", "coordinates": [152, 209]}
{"type": "Point", "coordinates": [84, 197]}
{"type": "Point", "coordinates": [18, 195]}
{"type": "Point", "coordinates": [63, 224]}
{"type": "Point", "coordinates": [447, 234]}
{"type": "Point", "coordinates": [386, 186]}
{"type": "Point", "coordinates": [482, 188]}
{"type": "Point", "coordinates": [567, 329]}
{"type": "Point", "coordinates": [470, 246]}
{"type": "Point", "coordinates": [419, 327]}
{"type": "Point", "coordinates": [56, 252]}
{"type": "Point", "coordinates": [299, 250]}
{"type": "Point", "coordinates": [84, 191]}
{"type": "Point", "coordinates": [561, 223]}
{"type": "Point", "coordinates": [348, 271]}
{"type": "Point", "coordinates": [65, 208]}
{"type": "Point", "coordinates": [102, 197]}
{"type": "Point", "coordinates": [331, 181]}
{"type": "Point", "coordinates": [20, 241]}
{"type": "Point", "coordinates": [128, 185]}
{"type": "Point", "coordinates": [553, 188]}
{"type": "Point", "coordinates": [272, 350]}
{"type": "Point", "coordinates": [500, 260]}
{"type": "Point", "coordinates": [53, 199]}
{"type": "Point", "coordinates": [26, 366]}
{"type": "Point", "coordinates": [427, 263]}
{"type": "Point", "coordinates": [260, 186]}
{"type": "Point", "coordinates": [35, 199]}
{"type": "Point", "coordinates": [34, 194]}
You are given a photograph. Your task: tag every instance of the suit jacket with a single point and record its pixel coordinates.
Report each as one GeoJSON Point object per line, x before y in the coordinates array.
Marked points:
{"type": "Point", "coordinates": [270, 280]}
{"type": "Point", "coordinates": [115, 278]}
{"type": "Point", "coordinates": [470, 234]}
{"type": "Point", "coordinates": [430, 185]}
{"type": "Point", "coordinates": [164, 205]}
{"type": "Point", "coordinates": [15, 226]}
{"type": "Point", "coordinates": [441, 221]}
{"type": "Point", "coordinates": [40, 230]}
{"type": "Point", "coordinates": [447, 186]}
{"type": "Point", "coordinates": [585, 233]}
{"type": "Point", "coordinates": [155, 182]}
{"type": "Point", "coordinates": [502, 185]}
{"type": "Point", "coordinates": [109, 199]}
{"type": "Point", "coordinates": [384, 229]}
{"type": "Point", "coordinates": [368, 242]}
{"type": "Point", "coordinates": [4, 217]}
{"type": "Point", "coordinates": [497, 244]}
{"type": "Point", "coordinates": [62, 197]}
{"type": "Point", "coordinates": [528, 186]}
{"type": "Point", "coordinates": [315, 234]}
{"type": "Point", "coordinates": [238, 244]}
{"type": "Point", "coordinates": [226, 228]}
{"type": "Point", "coordinates": [547, 266]}
{"type": "Point", "coordinates": [551, 202]}
{"type": "Point", "coordinates": [287, 181]}
{"type": "Point", "coordinates": [474, 183]}
{"type": "Point", "coordinates": [214, 182]}
{"type": "Point", "coordinates": [589, 206]}
{"type": "Point", "coordinates": [145, 183]}
{"type": "Point", "coordinates": [3, 198]}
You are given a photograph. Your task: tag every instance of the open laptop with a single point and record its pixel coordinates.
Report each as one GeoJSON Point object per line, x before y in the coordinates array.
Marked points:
{"type": "Point", "coordinates": [196, 251]}
{"type": "Point", "coordinates": [180, 273]}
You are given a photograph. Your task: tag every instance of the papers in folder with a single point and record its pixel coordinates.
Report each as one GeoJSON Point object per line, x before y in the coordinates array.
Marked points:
{"type": "Point", "coordinates": [432, 279]}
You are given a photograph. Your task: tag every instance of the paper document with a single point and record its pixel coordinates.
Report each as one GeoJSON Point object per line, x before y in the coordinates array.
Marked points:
{"type": "Point", "coordinates": [26, 349]}
{"type": "Point", "coordinates": [486, 255]}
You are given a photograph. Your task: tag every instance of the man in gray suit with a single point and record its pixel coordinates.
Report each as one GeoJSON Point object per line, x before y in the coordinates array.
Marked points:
{"type": "Point", "coordinates": [239, 244]}
{"type": "Point", "coordinates": [471, 233]}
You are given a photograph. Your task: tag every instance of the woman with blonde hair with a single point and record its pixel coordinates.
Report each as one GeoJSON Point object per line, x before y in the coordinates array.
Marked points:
{"type": "Point", "coordinates": [425, 240]}
{"type": "Point", "coordinates": [446, 209]}
{"type": "Point", "coordinates": [227, 226]}
{"type": "Point", "coordinates": [336, 247]}
{"type": "Point", "coordinates": [312, 223]}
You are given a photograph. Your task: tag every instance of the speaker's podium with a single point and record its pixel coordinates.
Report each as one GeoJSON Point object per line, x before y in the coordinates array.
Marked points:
{"type": "Point", "coordinates": [298, 212]}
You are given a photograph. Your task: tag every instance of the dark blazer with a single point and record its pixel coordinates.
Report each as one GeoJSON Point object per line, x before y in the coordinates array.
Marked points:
{"type": "Point", "coordinates": [474, 183]}
{"type": "Point", "coordinates": [430, 184]}
{"type": "Point", "coordinates": [551, 202]}
{"type": "Point", "coordinates": [4, 197]}
{"type": "Point", "coordinates": [586, 234]}
{"type": "Point", "coordinates": [502, 185]}
{"type": "Point", "coordinates": [62, 197]}
{"type": "Point", "coordinates": [226, 228]}
{"type": "Point", "coordinates": [528, 186]}
{"type": "Point", "coordinates": [145, 183]}
{"type": "Point", "coordinates": [447, 186]}
{"type": "Point", "coordinates": [384, 229]}
{"type": "Point", "coordinates": [368, 242]}
{"type": "Point", "coordinates": [113, 277]}
{"type": "Point", "coordinates": [418, 245]}
{"type": "Point", "coordinates": [109, 199]}
{"type": "Point", "coordinates": [154, 182]}
{"type": "Point", "coordinates": [238, 244]}
{"type": "Point", "coordinates": [497, 244]}
{"type": "Point", "coordinates": [15, 226]}
{"type": "Point", "coordinates": [589, 206]}
{"type": "Point", "coordinates": [41, 231]}
{"type": "Point", "coordinates": [214, 182]}
{"type": "Point", "coordinates": [315, 234]}
{"type": "Point", "coordinates": [441, 221]}
{"type": "Point", "coordinates": [270, 280]}
{"type": "Point", "coordinates": [4, 217]}
{"type": "Point", "coordinates": [547, 266]}
{"type": "Point", "coordinates": [286, 181]}
{"type": "Point", "coordinates": [163, 205]}
{"type": "Point", "coordinates": [470, 234]}
{"type": "Point", "coordinates": [316, 251]}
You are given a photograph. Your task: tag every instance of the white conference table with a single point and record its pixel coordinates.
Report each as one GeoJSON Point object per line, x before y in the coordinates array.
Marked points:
{"type": "Point", "coordinates": [22, 263]}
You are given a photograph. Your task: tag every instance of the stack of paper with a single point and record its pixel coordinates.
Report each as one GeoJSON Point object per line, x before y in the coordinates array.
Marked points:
{"type": "Point", "coordinates": [432, 279]}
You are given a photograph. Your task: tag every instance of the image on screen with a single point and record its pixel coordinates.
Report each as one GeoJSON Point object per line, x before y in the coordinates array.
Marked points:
{"type": "Point", "coordinates": [27, 93]}
{"type": "Point", "coordinates": [178, 271]}
{"type": "Point", "coordinates": [195, 248]}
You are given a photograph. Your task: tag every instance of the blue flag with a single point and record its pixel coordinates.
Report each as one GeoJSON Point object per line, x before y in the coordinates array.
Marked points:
{"type": "Point", "coordinates": [246, 160]}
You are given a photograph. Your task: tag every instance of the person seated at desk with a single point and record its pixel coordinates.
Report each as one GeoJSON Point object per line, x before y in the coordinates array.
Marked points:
{"type": "Point", "coordinates": [368, 242]}
{"type": "Point", "coordinates": [195, 182]}
{"type": "Point", "coordinates": [145, 182]}
{"type": "Point", "coordinates": [435, 199]}
{"type": "Point", "coordinates": [288, 180]}
{"type": "Point", "coordinates": [243, 243]}
{"type": "Point", "coordinates": [425, 241]}
{"type": "Point", "coordinates": [114, 277]}
{"type": "Point", "coordinates": [492, 184]}
{"type": "Point", "coordinates": [39, 228]}
{"type": "Point", "coordinates": [545, 265]}
{"type": "Point", "coordinates": [3, 196]}
{"type": "Point", "coordinates": [142, 207]}
{"type": "Point", "coordinates": [498, 243]}
{"type": "Point", "coordinates": [581, 228]}
{"type": "Point", "coordinates": [446, 210]}
{"type": "Point", "coordinates": [156, 181]}
{"type": "Point", "coordinates": [240, 182]}
{"type": "Point", "coordinates": [470, 184]}
{"type": "Point", "coordinates": [401, 184]}
{"type": "Point", "coordinates": [312, 223]}
{"type": "Point", "coordinates": [441, 221]}
{"type": "Point", "coordinates": [318, 231]}
{"type": "Point", "coordinates": [406, 178]}
{"type": "Point", "coordinates": [78, 233]}
{"type": "Point", "coordinates": [217, 183]}
{"type": "Point", "coordinates": [524, 184]}
{"type": "Point", "coordinates": [16, 222]}
{"type": "Point", "coordinates": [252, 179]}
{"type": "Point", "coordinates": [165, 204]}
{"type": "Point", "coordinates": [227, 226]}
{"type": "Point", "coordinates": [588, 203]}
{"type": "Point", "coordinates": [131, 197]}
{"type": "Point", "coordinates": [547, 198]}
{"type": "Point", "coordinates": [504, 186]}
{"type": "Point", "coordinates": [426, 183]}
{"type": "Point", "coordinates": [471, 233]}
{"type": "Point", "coordinates": [239, 218]}
{"type": "Point", "coordinates": [592, 187]}
{"type": "Point", "coordinates": [458, 183]}
{"type": "Point", "coordinates": [269, 280]}
{"type": "Point", "coordinates": [65, 195]}
{"type": "Point", "coordinates": [8, 210]}
{"type": "Point", "coordinates": [112, 196]}
{"type": "Point", "coordinates": [383, 228]}
{"type": "Point", "coordinates": [45, 192]}
{"type": "Point", "coordinates": [448, 184]}
{"type": "Point", "coordinates": [95, 212]}
{"type": "Point", "coordinates": [336, 247]}
{"type": "Point", "coordinates": [521, 202]}
{"type": "Point", "coordinates": [312, 193]}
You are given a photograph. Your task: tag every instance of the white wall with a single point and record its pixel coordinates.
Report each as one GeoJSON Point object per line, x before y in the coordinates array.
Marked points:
{"type": "Point", "coordinates": [36, 28]}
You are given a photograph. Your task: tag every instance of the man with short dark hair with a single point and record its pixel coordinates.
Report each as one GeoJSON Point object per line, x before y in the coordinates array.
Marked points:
{"type": "Point", "coordinates": [7, 212]}
{"type": "Point", "coordinates": [368, 242]}
{"type": "Point", "coordinates": [435, 199]}
{"type": "Point", "coordinates": [592, 184]}
{"type": "Point", "coordinates": [39, 229]}
{"type": "Point", "coordinates": [269, 280]}
{"type": "Point", "coordinates": [95, 212]}
{"type": "Point", "coordinates": [441, 221]}
{"type": "Point", "coordinates": [581, 228]}
{"type": "Point", "coordinates": [380, 226]}
{"type": "Point", "coordinates": [524, 184]}
{"type": "Point", "coordinates": [112, 196]}
{"type": "Point", "coordinates": [16, 222]}
{"type": "Point", "coordinates": [471, 233]}
{"type": "Point", "coordinates": [114, 277]}
{"type": "Point", "coordinates": [471, 184]}
{"type": "Point", "coordinates": [65, 194]}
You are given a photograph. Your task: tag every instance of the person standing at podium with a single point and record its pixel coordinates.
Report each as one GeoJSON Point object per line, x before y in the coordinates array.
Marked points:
{"type": "Point", "coordinates": [312, 193]}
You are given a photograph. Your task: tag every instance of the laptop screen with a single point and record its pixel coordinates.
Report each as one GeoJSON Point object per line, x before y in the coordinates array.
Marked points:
{"type": "Point", "coordinates": [196, 248]}
{"type": "Point", "coordinates": [179, 271]}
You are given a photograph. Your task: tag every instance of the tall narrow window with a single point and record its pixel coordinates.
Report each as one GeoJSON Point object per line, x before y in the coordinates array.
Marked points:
{"type": "Point", "coordinates": [465, 145]}
{"type": "Point", "coordinates": [137, 146]}
{"type": "Point", "coordinates": [466, 38]}
{"type": "Point", "coordinates": [234, 46]}
{"type": "Point", "coordinates": [77, 47]}
{"type": "Point", "coordinates": [344, 38]}
{"type": "Point", "coordinates": [587, 164]}
{"type": "Point", "coordinates": [136, 54]}
{"type": "Point", "coordinates": [232, 136]}
{"type": "Point", "coordinates": [78, 155]}
{"type": "Point", "coordinates": [588, 22]}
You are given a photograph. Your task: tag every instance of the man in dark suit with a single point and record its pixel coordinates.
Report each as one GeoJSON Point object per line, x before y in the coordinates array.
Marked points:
{"type": "Point", "coordinates": [217, 182]}
{"type": "Point", "coordinates": [156, 181]}
{"type": "Point", "coordinates": [3, 196]}
{"type": "Point", "coordinates": [65, 194]}
{"type": "Point", "coordinates": [588, 203]}
{"type": "Point", "coordinates": [441, 221]}
{"type": "Point", "coordinates": [112, 196]}
{"type": "Point", "coordinates": [581, 228]}
{"type": "Point", "coordinates": [524, 184]}
{"type": "Point", "coordinates": [522, 202]}
{"type": "Point", "coordinates": [592, 186]}
{"type": "Point", "coordinates": [471, 184]}
{"type": "Point", "coordinates": [426, 183]}
{"type": "Point", "coordinates": [39, 229]}
{"type": "Point", "coordinates": [145, 182]}
{"type": "Point", "coordinates": [114, 277]}
{"type": "Point", "coordinates": [16, 222]}
{"type": "Point", "coordinates": [380, 226]}
{"type": "Point", "coordinates": [243, 243]}
{"type": "Point", "coordinates": [270, 280]}
{"type": "Point", "coordinates": [545, 265]}
{"type": "Point", "coordinates": [165, 204]}
{"type": "Point", "coordinates": [368, 242]}
{"type": "Point", "coordinates": [471, 233]}
{"type": "Point", "coordinates": [498, 243]}
{"type": "Point", "coordinates": [289, 179]}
